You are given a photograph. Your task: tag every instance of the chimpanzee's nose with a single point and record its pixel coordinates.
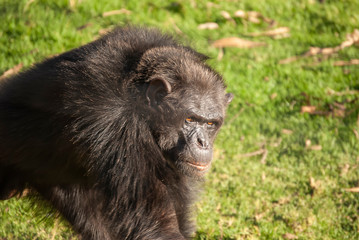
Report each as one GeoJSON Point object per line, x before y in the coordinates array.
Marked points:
{"type": "Point", "coordinates": [202, 141]}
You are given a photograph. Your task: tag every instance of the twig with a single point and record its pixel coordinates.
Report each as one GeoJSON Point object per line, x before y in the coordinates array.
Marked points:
{"type": "Point", "coordinates": [84, 26]}
{"type": "Point", "coordinates": [356, 133]}
{"type": "Point", "coordinates": [54, 230]}
{"type": "Point", "coordinates": [176, 28]}
{"type": "Point", "coordinates": [355, 189]}
{"type": "Point", "coordinates": [347, 92]}
{"type": "Point", "coordinates": [220, 54]}
{"type": "Point", "coordinates": [264, 157]}
{"type": "Point", "coordinates": [351, 39]}
{"type": "Point", "coordinates": [235, 116]}
{"type": "Point", "coordinates": [281, 31]}
{"type": "Point", "coordinates": [28, 4]}
{"type": "Point", "coordinates": [251, 154]}
{"type": "Point", "coordinates": [116, 12]}
{"type": "Point", "coordinates": [346, 63]}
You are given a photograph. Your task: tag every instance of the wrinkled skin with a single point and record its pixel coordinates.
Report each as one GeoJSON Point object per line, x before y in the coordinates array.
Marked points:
{"type": "Point", "coordinates": [193, 152]}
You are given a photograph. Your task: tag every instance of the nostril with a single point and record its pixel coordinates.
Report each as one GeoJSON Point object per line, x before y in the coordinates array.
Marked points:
{"type": "Point", "coordinates": [202, 142]}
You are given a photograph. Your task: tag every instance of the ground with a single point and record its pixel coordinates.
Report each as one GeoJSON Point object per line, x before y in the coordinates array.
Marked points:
{"type": "Point", "coordinates": [287, 159]}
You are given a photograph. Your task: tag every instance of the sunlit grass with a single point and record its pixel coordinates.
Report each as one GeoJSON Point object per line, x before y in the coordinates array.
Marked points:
{"type": "Point", "coordinates": [296, 188]}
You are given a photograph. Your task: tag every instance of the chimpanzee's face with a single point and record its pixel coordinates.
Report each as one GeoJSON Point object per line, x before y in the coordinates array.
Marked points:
{"type": "Point", "coordinates": [194, 149]}
{"type": "Point", "coordinates": [187, 142]}
{"type": "Point", "coordinates": [188, 102]}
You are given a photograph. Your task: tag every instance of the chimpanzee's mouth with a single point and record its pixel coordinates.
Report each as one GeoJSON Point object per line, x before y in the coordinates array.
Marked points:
{"type": "Point", "coordinates": [199, 167]}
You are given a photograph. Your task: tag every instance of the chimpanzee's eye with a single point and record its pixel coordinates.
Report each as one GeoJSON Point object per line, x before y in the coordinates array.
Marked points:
{"type": "Point", "coordinates": [189, 120]}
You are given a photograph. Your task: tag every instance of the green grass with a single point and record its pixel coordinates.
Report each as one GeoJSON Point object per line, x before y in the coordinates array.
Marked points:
{"type": "Point", "coordinates": [294, 189]}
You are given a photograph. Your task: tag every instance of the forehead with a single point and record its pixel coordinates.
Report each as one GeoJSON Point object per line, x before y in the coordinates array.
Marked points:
{"type": "Point", "coordinates": [202, 89]}
{"type": "Point", "coordinates": [208, 105]}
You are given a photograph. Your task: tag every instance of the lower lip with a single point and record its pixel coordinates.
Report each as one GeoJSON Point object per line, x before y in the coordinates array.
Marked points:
{"type": "Point", "coordinates": [199, 167]}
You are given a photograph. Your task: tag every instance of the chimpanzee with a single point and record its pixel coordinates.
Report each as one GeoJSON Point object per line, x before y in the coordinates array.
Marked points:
{"type": "Point", "coordinates": [116, 134]}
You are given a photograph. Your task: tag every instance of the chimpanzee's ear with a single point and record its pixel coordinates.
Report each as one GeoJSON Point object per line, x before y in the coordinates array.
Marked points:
{"type": "Point", "coordinates": [157, 89]}
{"type": "Point", "coordinates": [229, 98]}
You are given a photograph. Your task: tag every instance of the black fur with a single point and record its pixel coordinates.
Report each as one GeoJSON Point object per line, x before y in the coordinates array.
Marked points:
{"type": "Point", "coordinates": [83, 131]}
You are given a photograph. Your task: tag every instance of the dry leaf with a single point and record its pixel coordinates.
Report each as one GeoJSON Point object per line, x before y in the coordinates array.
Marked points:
{"type": "Point", "coordinates": [315, 148]}
{"type": "Point", "coordinates": [212, 5]}
{"type": "Point", "coordinates": [230, 221]}
{"type": "Point", "coordinates": [116, 12]}
{"type": "Point", "coordinates": [277, 143]}
{"type": "Point", "coordinates": [289, 236]}
{"type": "Point", "coordinates": [227, 16]}
{"type": "Point", "coordinates": [254, 14]}
{"type": "Point", "coordinates": [282, 201]}
{"type": "Point", "coordinates": [259, 216]}
{"type": "Point", "coordinates": [337, 112]}
{"type": "Point", "coordinates": [287, 131]}
{"type": "Point", "coordinates": [308, 109]}
{"type": "Point", "coordinates": [345, 169]}
{"type": "Point", "coordinates": [224, 176]}
{"type": "Point", "coordinates": [72, 3]}
{"type": "Point", "coordinates": [240, 14]}
{"type": "Point", "coordinates": [289, 60]}
{"type": "Point", "coordinates": [12, 71]}
{"type": "Point", "coordinates": [208, 25]}
{"type": "Point", "coordinates": [351, 39]}
{"type": "Point", "coordinates": [254, 17]}
{"type": "Point", "coordinates": [282, 31]}
{"type": "Point", "coordinates": [236, 42]}
{"type": "Point", "coordinates": [356, 189]}
{"type": "Point", "coordinates": [263, 176]}
{"type": "Point", "coordinates": [273, 96]}
{"type": "Point", "coordinates": [314, 184]}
